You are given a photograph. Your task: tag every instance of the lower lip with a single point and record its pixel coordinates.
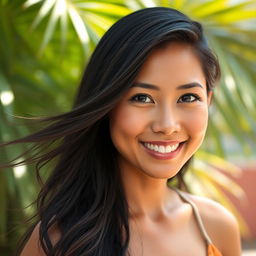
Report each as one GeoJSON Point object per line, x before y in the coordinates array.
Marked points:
{"type": "Point", "coordinates": [163, 156]}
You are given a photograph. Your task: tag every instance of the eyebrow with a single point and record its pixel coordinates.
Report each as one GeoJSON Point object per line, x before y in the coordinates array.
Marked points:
{"type": "Point", "coordinates": [154, 87]}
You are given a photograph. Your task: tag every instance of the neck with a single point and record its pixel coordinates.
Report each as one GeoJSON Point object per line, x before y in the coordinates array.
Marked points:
{"type": "Point", "coordinates": [146, 196]}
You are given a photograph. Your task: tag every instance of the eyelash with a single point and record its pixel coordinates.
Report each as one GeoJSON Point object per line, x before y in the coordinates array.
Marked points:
{"type": "Point", "coordinates": [197, 98]}
{"type": "Point", "coordinates": [135, 98]}
{"type": "Point", "coordinates": [141, 94]}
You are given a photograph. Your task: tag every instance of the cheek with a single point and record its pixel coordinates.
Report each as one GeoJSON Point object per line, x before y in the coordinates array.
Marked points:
{"type": "Point", "coordinates": [125, 124]}
{"type": "Point", "coordinates": [196, 121]}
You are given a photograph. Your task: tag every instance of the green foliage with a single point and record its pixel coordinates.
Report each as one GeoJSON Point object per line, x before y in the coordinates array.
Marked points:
{"type": "Point", "coordinates": [44, 48]}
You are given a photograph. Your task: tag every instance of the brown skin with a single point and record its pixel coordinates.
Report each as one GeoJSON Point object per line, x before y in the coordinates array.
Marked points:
{"type": "Point", "coordinates": [160, 222]}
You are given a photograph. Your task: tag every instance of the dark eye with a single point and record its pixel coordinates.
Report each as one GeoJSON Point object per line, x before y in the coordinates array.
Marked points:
{"type": "Point", "coordinates": [188, 98]}
{"type": "Point", "coordinates": [143, 98]}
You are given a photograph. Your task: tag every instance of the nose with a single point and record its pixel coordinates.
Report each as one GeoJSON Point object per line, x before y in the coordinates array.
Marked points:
{"type": "Point", "coordinates": [166, 121]}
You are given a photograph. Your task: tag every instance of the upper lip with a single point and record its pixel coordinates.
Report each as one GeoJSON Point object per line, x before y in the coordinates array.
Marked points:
{"type": "Point", "coordinates": [163, 143]}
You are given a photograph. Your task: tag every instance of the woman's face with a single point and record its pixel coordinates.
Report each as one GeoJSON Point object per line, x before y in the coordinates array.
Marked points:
{"type": "Point", "coordinates": [161, 121]}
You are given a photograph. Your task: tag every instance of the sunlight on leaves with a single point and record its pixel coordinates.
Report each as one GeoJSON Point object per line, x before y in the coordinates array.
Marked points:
{"type": "Point", "coordinates": [6, 97]}
{"type": "Point", "coordinates": [19, 171]}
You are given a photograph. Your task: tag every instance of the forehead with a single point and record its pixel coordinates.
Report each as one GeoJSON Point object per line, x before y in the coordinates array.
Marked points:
{"type": "Point", "coordinates": [173, 63]}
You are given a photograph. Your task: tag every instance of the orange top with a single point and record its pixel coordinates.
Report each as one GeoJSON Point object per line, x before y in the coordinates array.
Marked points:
{"type": "Point", "coordinates": [211, 249]}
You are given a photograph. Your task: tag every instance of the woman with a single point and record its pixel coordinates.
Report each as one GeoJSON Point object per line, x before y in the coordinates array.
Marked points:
{"type": "Point", "coordinates": [140, 114]}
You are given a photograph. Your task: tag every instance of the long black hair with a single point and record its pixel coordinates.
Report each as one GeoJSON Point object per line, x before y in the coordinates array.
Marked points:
{"type": "Point", "coordinates": [84, 193]}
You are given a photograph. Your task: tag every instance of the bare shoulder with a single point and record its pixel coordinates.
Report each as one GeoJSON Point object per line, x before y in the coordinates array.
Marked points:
{"type": "Point", "coordinates": [220, 224]}
{"type": "Point", "coordinates": [33, 245]}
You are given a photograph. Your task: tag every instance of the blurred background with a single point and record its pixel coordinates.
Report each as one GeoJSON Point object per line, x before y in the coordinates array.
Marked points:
{"type": "Point", "coordinates": [44, 48]}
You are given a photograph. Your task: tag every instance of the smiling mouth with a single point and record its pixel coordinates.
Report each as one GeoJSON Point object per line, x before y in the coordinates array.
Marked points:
{"type": "Point", "coordinates": [161, 151]}
{"type": "Point", "coordinates": [161, 148]}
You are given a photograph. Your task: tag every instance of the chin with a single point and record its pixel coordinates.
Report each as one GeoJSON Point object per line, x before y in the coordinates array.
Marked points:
{"type": "Point", "coordinates": [161, 174]}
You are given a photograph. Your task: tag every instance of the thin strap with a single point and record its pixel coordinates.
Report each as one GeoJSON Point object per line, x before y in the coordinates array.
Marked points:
{"type": "Point", "coordinates": [197, 215]}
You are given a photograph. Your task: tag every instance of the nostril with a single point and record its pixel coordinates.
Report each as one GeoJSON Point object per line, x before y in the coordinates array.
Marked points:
{"type": "Point", "coordinates": [166, 123]}
{"type": "Point", "coordinates": [166, 129]}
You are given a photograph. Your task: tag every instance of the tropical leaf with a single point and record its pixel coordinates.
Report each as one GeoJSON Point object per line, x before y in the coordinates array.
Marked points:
{"type": "Point", "coordinates": [76, 11]}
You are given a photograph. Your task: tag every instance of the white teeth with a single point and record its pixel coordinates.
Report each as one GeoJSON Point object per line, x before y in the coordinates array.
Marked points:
{"type": "Point", "coordinates": [162, 149]}
{"type": "Point", "coordinates": [168, 149]}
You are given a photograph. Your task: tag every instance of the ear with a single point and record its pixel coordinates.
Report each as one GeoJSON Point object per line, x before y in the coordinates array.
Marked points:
{"type": "Point", "coordinates": [209, 97]}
